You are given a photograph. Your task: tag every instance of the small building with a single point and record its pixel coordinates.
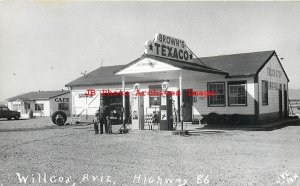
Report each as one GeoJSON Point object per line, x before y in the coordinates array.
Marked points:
{"type": "Point", "coordinates": [253, 85]}
{"type": "Point", "coordinates": [40, 103]}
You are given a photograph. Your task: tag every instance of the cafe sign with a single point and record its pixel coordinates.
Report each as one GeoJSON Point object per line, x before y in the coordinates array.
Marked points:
{"type": "Point", "coordinates": [168, 47]}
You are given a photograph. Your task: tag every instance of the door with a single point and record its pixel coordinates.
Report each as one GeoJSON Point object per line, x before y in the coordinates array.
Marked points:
{"type": "Point", "coordinates": [187, 105]}
{"type": "Point", "coordinates": [5, 112]}
{"type": "Point", "coordinates": [280, 101]}
{"type": "Point", "coordinates": [26, 107]}
{"type": "Point", "coordinates": [285, 99]}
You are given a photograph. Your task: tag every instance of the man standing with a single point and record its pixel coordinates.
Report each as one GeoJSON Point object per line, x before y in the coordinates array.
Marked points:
{"type": "Point", "coordinates": [96, 122]}
{"type": "Point", "coordinates": [104, 111]}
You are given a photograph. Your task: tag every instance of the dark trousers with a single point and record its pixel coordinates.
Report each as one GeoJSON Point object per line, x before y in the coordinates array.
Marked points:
{"type": "Point", "coordinates": [102, 121]}
{"type": "Point", "coordinates": [96, 128]}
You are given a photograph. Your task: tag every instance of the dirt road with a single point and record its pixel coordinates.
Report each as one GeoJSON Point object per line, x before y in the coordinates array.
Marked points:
{"type": "Point", "coordinates": [46, 154]}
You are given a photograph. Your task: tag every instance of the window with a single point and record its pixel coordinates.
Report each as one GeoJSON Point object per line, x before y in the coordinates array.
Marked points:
{"type": "Point", "coordinates": [63, 106]}
{"type": "Point", "coordinates": [265, 92]}
{"type": "Point", "coordinates": [237, 93]}
{"type": "Point", "coordinates": [5, 109]}
{"type": "Point", "coordinates": [27, 105]}
{"type": "Point", "coordinates": [218, 99]}
{"type": "Point", "coordinates": [154, 96]}
{"type": "Point", "coordinates": [39, 106]}
{"type": "Point", "coordinates": [16, 106]}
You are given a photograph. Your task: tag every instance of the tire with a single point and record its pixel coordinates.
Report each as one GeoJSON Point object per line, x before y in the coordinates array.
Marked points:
{"type": "Point", "coordinates": [17, 117]}
{"type": "Point", "coordinates": [59, 118]}
{"type": "Point", "coordinates": [213, 118]}
{"type": "Point", "coordinates": [9, 118]}
{"type": "Point", "coordinates": [235, 119]}
{"type": "Point", "coordinates": [224, 120]}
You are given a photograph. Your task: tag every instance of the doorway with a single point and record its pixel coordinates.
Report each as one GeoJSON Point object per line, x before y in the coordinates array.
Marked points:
{"type": "Point", "coordinates": [116, 104]}
{"type": "Point", "coordinates": [187, 100]}
{"type": "Point", "coordinates": [280, 101]}
{"type": "Point", "coordinates": [285, 100]}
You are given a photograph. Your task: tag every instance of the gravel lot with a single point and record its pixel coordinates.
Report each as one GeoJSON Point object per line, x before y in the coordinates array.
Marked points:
{"type": "Point", "coordinates": [74, 155]}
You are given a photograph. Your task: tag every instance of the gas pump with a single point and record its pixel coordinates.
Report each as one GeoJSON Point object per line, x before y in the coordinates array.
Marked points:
{"type": "Point", "coordinates": [166, 115]}
{"type": "Point", "coordinates": [137, 109]}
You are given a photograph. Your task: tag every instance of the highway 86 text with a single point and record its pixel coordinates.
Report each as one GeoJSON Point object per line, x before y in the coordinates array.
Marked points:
{"type": "Point", "coordinates": [158, 180]}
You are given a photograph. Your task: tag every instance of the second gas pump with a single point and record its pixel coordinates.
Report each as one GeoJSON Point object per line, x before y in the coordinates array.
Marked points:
{"type": "Point", "coordinates": [166, 114]}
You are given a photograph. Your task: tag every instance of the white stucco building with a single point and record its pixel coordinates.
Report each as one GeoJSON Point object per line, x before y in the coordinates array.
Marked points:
{"type": "Point", "coordinates": [252, 85]}
{"type": "Point", "coordinates": [40, 103]}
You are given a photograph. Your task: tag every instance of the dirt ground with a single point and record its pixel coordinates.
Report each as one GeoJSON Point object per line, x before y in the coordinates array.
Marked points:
{"type": "Point", "coordinates": [47, 154]}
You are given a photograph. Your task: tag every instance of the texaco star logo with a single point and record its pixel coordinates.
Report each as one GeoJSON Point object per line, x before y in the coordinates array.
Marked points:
{"type": "Point", "coordinates": [151, 47]}
{"type": "Point", "coordinates": [168, 51]}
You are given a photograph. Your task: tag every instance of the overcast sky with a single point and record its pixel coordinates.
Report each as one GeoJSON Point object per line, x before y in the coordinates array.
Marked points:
{"type": "Point", "coordinates": [45, 45]}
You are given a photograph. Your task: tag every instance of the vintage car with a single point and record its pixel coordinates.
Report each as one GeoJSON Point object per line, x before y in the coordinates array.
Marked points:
{"type": "Point", "coordinates": [6, 113]}
{"type": "Point", "coordinates": [116, 113]}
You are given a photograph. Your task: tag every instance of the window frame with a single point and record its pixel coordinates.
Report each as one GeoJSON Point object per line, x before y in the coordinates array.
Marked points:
{"type": "Point", "coordinates": [60, 107]}
{"type": "Point", "coordinates": [208, 97]}
{"type": "Point", "coordinates": [35, 106]}
{"type": "Point", "coordinates": [267, 93]}
{"type": "Point", "coordinates": [28, 105]}
{"type": "Point", "coordinates": [5, 109]}
{"type": "Point", "coordinates": [231, 83]}
{"type": "Point", "coordinates": [159, 97]}
{"type": "Point", "coordinates": [16, 106]}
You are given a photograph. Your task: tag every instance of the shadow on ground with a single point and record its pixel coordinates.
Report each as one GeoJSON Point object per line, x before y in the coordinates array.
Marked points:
{"type": "Point", "coordinates": [32, 129]}
{"type": "Point", "coordinates": [21, 119]}
{"type": "Point", "coordinates": [265, 127]}
{"type": "Point", "coordinates": [39, 128]}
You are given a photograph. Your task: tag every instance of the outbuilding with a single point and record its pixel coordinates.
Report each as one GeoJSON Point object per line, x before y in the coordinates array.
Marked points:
{"type": "Point", "coordinates": [40, 103]}
{"type": "Point", "coordinates": [252, 86]}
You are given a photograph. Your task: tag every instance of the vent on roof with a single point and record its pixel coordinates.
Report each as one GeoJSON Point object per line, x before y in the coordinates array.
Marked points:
{"type": "Point", "coordinates": [84, 73]}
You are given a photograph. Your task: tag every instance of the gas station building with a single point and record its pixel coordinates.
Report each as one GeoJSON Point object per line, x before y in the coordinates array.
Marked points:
{"type": "Point", "coordinates": [169, 76]}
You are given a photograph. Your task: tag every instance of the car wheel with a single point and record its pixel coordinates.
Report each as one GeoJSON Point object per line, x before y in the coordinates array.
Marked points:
{"type": "Point", "coordinates": [235, 119]}
{"type": "Point", "coordinates": [9, 118]}
{"type": "Point", "coordinates": [59, 118]}
{"type": "Point", "coordinates": [17, 117]}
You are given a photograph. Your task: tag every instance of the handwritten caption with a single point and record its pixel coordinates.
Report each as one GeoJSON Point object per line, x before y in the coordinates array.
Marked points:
{"type": "Point", "coordinates": [86, 179]}
{"type": "Point", "coordinates": [287, 178]}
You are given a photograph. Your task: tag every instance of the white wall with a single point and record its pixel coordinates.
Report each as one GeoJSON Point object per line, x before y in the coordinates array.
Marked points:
{"type": "Point", "coordinates": [45, 112]}
{"type": "Point", "coordinates": [88, 106]}
{"type": "Point", "coordinates": [11, 104]}
{"type": "Point", "coordinates": [24, 112]}
{"type": "Point", "coordinates": [273, 95]}
{"type": "Point", "coordinates": [200, 107]}
{"type": "Point", "coordinates": [50, 106]}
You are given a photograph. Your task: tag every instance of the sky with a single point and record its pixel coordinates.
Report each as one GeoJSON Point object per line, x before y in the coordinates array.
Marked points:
{"type": "Point", "coordinates": [46, 44]}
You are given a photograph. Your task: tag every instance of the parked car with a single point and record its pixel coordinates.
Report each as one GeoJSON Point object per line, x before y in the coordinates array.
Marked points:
{"type": "Point", "coordinates": [6, 113]}
{"type": "Point", "coordinates": [116, 114]}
